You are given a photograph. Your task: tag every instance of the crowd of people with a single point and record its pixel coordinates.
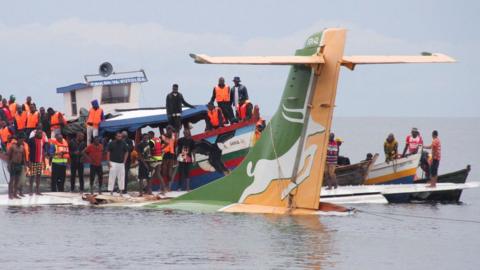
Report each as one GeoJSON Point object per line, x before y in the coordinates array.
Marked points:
{"type": "Point", "coordinates": [33, 144]}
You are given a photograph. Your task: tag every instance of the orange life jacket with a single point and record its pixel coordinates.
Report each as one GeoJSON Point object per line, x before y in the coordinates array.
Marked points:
{"type": "Point", "coordinates": [32, 119]}
{"type": "Point", "coordinates": [157, 148]}
{"type": "Point", "coordinates": [13, 108]}
{"type": "Point", "coordinates": [56, 120]}
{"type": "Point", "coordinates": [21, 120]}
{"type": "Point", "coordinates": [61, 151]}
{"type": "Point", "coordinates": [94, 117]}
{"type": "Point", "coordinates": [26, 107]}
{"type": "Point", "coordinates": [4, 133]}
{"type": "Point", "coordinates": [242, 111]}
{"type": "Point", "coordinates": [222, 94]}
{"type": "Point", "coordinates": [213, 116]}
{"type": "Point", "coordinates": [170, 148]}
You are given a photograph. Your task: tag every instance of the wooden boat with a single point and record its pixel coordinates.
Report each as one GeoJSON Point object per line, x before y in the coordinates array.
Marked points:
{"type": "Point", "coordinates": [354, 174]}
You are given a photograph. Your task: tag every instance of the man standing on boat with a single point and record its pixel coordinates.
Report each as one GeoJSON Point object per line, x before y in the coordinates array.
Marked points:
{"type": "Point", "coordinates": [185, 157]}
{"type": "Point", "coordinates": [332, 161]}
{"type": "Point", "coordinates": [117, 154]}
{"type": "Point", "coordinates": [390, 147]}
{"type": "Point", "coordinates": [37, 148]}
{"type": "Point", "coordinates": [413, 143]}
{"type": "Point", "coordinates": [238, 92]}
{"type": "Point", "coordinates": [174, 104]}
{"type": "Point", "coordinates": [436, 147]}
{"type": "Point", "coordinates": [95, 117]}
{"type": "Point", "coordinates": [221, 94]}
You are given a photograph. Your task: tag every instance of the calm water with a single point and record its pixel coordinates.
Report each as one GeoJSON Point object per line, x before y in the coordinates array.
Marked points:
{"type": "Point", "coordinates": [118, 238]}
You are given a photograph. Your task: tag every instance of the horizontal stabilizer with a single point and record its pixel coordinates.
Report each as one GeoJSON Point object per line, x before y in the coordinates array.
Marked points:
{"type": "Point", "coordinates": [258, 60]}
{"type": "Point", "coordinates": [351, 61]}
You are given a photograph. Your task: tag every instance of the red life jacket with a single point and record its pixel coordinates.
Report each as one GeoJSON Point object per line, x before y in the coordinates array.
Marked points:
{"type": "Point", "coordinates": [157, 147]}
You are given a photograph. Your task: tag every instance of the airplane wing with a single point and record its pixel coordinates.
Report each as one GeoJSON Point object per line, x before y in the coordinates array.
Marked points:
{"type": "Point", "coordinates": [351, 61]}
{"type": "Point", "coordinates": [258, 60]}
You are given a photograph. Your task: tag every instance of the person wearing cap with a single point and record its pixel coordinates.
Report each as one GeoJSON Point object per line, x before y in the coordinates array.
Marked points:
{"type": "Point", "coordinates": [221, 94]}
{"type": "Point", "coordinates": [390, 147]}
{"type": "Point", "coordinates": [215, 117]}
{"type": "Point", "coordinates": [95, 117]}
{"type": "Point", "coordinates": [238, 92]}
{"type": "Point", "coordinates": [413, 142]}
{"type": "Point", "coordinates": [174, 103]}
{"type": "Point", "coordinates": [12, 105]}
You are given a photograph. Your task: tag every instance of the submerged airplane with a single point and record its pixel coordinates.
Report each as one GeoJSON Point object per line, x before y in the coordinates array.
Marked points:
{"type": "Point", "coordinates": [283, 172]}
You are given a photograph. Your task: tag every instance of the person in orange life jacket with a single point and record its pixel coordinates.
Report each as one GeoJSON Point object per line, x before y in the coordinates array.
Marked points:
{"type": "Point", "coordinates": [259, 127]}
{"type": "Point", "coordinates": [60, 156]}
{"type": "Point", "coordinates": [16, 162]}
{"type": "Point", "coordinates": [168, 161]}
{"type": "Point", "coordinates": [174, 102]}
{"type": "Point", "coordinates": [6, 111]}
{"type": "Point", "coordinates": [413, 143]}
{"type": "Point", "coordinates": [36, 161]}
{"type": "Point", "coordinates": [128, 162]}
{"type": "Point", "coordinates": [221, 94]}
{"type": "Point", "coordinates": [5, 132]}
{"type": "Point", "coordinates": [45, 121]}
{"type": "Point", "coordinates": [57, 121]}
{"type": "Point", "coordinates": [144, 149]}
{"type": "Point", "coordinates": [244, 110]}
{"type": "Point", "coordinates": [215, 117]}
{"type": "Point", "coordinates": [185, 156]}
{"type": "Point", "coordinates": [20, 119]}
{"type": "Point", "coordinates": [12, 105]}
{"type": "Point", "coordinates": [332, 161]}
{"type": "Point", "coordinates": [76, 147]}
{"type": "Point", "coordinates": [27, 104]}
{"type": "Point", "coordinates": [436, 147]}
{"type": "Point", "coordinates": [95, 117]}
{"type": "Point", "coordinates": [33, 119]}
{"type": "Point", "coordinates": [156, 146]}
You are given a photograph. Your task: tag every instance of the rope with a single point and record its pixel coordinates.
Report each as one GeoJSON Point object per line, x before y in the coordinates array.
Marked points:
{"type": "Point", "coordinates": [421, 217]}
{"type": "Point", "coordinates": [279, 167]}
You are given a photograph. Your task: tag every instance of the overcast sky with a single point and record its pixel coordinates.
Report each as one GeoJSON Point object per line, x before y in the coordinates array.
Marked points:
{"type": "Point", "coordinates": [47, 44]}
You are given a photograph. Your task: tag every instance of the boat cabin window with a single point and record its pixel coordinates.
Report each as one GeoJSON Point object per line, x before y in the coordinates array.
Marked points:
{"type": "Point", "coordinates": [119, 93]}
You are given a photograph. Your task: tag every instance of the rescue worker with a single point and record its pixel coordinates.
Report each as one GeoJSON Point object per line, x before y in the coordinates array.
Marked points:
{"type": "Point", "coordinates": [174, 102]}
{"type": "Point", "coordinates": [95, 117]}
{"type": "Point", "coordinates": [57, 121]}
{"type": "Point", "coordinates": [27, 104]}
{"type": "Point", "coordinates": [5, 133]}
{"type": "Point", "coordinates": [436, 147]}
{"type": "Point", "coordinates": [332, 161]}
{"type": "Point", "coordinates": [155, 147]}
{"type": "Point", "coordinates": [20, 119]}
{"type": "Point", "coordinates": [413, 143]}
{"type": "Point", "coordinates": [244, 110]}
{"type": "Point", "coordinates": [12, 105]}
{"type": "Point", "coordinates": [60, 156]}
{"type": "Point", "coordinates": [221, 94]}
{"type": "Point", "coordinates": [33, 118]}
{"type": "Point", "coordinates": [390, 147]}
{"type": "Point", "coordinates": [168, 160]}
{"type": "Point", "coordinates": [45, 121]}
{"type": "Point", "coordinates": [36, 159]}
{"type": "Point", "coordinates": [215, 117]}
{"type": "Point", "coordinates": [238, 92]}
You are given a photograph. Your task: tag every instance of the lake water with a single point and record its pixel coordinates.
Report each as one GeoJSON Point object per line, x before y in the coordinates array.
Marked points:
{"type": "Point", "coordinates": [379, 237]}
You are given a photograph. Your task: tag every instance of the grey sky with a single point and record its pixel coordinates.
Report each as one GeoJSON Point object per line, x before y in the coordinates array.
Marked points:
{"type": "Point", "coordinates": [47, 44]}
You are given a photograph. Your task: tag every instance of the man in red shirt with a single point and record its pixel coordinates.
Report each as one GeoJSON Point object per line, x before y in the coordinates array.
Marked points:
{"type": "Point", "coordinates": [413, 143]}
{"type": "Point", "coordinates": [37, 146]}
{"type": "Point", "coordinates": [436, 147]}
{"type": "Point", "coordinates": [94, 154]}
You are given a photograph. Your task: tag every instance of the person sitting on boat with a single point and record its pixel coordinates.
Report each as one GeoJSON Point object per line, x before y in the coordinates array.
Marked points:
{"type": "Point", "coordinates": [244, 110]}
{"type": "Point", "coordinates": [413, 143]}
{"type": "Point", "coordinates": [221, 94]}
{"type": "Point", "coordinates": [436, 147]}
{"type": "Point", "coordinates": [95, 117]}
{"type": "Point", "coordinates": [174, 104]}
{"type": "Point", "coordinates": [390, 147]}
{"type": "Point", "coordinates": [215, 117]}
{"type": "Point", "coordinates": [332, 161]}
